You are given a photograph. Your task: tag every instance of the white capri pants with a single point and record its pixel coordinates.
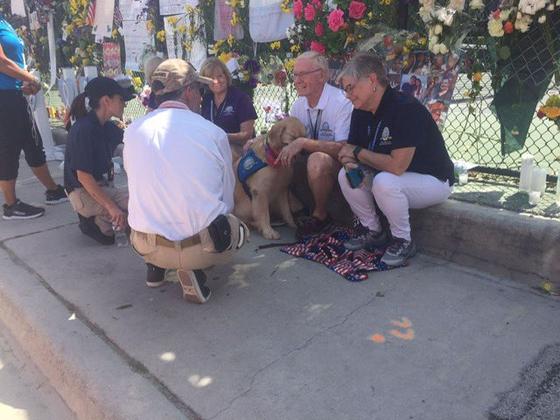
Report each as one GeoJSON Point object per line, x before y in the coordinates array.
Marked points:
{"type": "Point", "coordinates": [394, 194]}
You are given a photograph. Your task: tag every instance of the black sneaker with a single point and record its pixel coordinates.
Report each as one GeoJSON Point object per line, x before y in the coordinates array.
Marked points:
{"type": "Point", "coordinates": [56, 196]}
{"type": "Point", "coordinates": [367, 239]}
{"type": "Point", "coordinates": [398, 252]}
{"type": "Point", "coordinates": [193, 286]}
{"type": "Point", "coordinates": [155, 276]}
{"type": "Point", "coordinates": [89, 228]}
{"type": "Point", "coordinates": [21, 210]}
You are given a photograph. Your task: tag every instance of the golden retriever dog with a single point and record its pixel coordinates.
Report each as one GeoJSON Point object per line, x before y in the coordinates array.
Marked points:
{"type": "Point", "coordinates": [268, 186]}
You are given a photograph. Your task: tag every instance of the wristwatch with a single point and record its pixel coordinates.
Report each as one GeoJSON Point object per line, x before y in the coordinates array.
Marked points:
{"type": "Point", "coordinates": [356, 152]}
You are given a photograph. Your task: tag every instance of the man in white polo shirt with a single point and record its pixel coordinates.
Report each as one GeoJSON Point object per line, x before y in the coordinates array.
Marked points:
{"type": "Point", "coordinates": [181, 182]}
{"type": "Point", "coordinates": [325, 111]}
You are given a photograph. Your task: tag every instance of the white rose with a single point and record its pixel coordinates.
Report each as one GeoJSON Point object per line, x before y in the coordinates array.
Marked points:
{"type": "Point", "coordinates": [523, 24]}
{"type": "Point", "coordinates": [438, 29]}
{"type": "Point", "coordinates": [550, 7]}
{"type": "Point", "coordinates": [443, 49]}
{"type": "Point", "coordinates": [435, 48]}
{"type": "Point", "coordinates": [476, 5]}
{"type": "Point", "coordinates": [495, 28]}
{"type": "Point", "coordinates": [542, 19]}
{"type": "Point", "coordinates": [425, 13]}
{"type": "Point", "coordinates": [458, 5]}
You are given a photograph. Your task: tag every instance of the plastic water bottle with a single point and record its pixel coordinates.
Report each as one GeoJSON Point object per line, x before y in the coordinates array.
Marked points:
{"type": "Point", "coordinates": [121, 240]}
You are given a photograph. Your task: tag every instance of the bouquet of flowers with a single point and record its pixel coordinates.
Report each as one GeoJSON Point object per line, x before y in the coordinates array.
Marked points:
{"type": "Point", "coordinates": [273, 72]}
{"type": "Point", "coordinates": [333, 32]}
{"type": "Point", "coordinates": [244, 71]}
{"type": "Point", "coordinates": [551, 110]}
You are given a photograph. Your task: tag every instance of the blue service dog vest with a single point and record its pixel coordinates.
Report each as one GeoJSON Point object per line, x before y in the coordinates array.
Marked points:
{"type": "Point", "coordinates": [249, 164]}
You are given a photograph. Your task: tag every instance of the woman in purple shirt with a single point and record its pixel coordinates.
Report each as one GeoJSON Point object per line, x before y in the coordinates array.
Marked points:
{"type": "Point", "coordinates": [229, 108]}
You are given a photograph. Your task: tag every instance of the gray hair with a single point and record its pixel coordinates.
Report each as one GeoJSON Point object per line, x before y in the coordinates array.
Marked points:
{"type": "Point", "coordinates": [364, 64]}
{"type": "Point", "coordinates": [319, 59]}
{"type": "Point", "coordinates": [150, 65]}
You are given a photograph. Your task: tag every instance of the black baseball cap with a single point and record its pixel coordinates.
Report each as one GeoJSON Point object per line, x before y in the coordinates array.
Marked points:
{"type": "Point", "coordinates": [101, 86]}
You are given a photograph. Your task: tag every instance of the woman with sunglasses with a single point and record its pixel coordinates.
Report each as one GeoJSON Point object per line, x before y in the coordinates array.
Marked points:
{"type": "Point", "coordinates": [228, 107]}
{"type": "Point", "coordinates": [88, 166]}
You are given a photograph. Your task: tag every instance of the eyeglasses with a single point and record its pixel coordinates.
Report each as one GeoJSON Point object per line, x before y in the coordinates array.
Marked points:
{"type": "Point", "coordinates": [348, 89]}
{"type": "Point", "coordinates": [305, 73]}
{"type": "Point", "coordinates": [197, 87]}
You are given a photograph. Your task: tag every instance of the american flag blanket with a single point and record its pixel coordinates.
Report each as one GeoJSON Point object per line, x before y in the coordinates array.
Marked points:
{"type": "Point", "coordinates": [327, 248]}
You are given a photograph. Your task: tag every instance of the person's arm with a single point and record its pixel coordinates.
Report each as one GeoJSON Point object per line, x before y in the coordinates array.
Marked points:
{"type": "Point", "coordinates": [396, 163]}
{"type": "Point", "coordinates": [288, 153]}
{"type": "Point", "coordinates": [118, 217]}
{"type": "Point", "coordinates": [246, 131]}
{"type": "Point", "coordinates": [228, 177]}
{"type": "Point", "coordinates": [10, 68]}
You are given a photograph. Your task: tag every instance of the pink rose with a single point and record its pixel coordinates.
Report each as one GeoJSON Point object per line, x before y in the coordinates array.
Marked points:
{"type": "Point", "coordinates": [319, 29]}
{"type": "Point", "coordinates": [297, 8]}
{"type": "Point", "coordinates": [336, 20]}
{"type": "Point", "coordinates": [356, 10]}
{"type": "Point", "coordinates": [309, 12]}
{"type": "Point", "coordinates": [317, 4]}
{"type": "Point", "coordinates": [317, 46]}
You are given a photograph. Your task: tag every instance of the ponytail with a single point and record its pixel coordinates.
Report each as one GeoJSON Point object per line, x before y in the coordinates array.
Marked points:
{"type": "Point", "coordinates": [78, 109]}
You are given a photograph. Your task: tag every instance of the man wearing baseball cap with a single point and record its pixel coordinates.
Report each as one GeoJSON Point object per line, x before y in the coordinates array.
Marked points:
{"type": "Point", "coordinates": [181, 184]}
{"type": "Point", "coordinates": [88, 160]}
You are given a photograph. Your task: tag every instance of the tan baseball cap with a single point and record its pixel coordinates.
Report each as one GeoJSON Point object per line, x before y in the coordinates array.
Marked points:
{"type": "Point", "coordinates": [175, 74]}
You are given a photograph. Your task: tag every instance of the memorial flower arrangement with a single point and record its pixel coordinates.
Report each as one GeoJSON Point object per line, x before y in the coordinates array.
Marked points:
{"type": "Point", "coordinates": [245, 73]}
{"type": "Point", "coordinates": [77, 45]}
{"type": "Point", "coordinates": [334, 31]}
{"type": "Point", "coordinates": [551, 110]}
{"type": "Point", "coordinates": [273, 71]}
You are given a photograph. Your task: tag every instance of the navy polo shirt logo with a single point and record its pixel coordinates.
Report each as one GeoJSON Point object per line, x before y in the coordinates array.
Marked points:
{"type": "Point", "coordinates": [386, 137]}
{"type": "Point", "coordinates": [228, 111]}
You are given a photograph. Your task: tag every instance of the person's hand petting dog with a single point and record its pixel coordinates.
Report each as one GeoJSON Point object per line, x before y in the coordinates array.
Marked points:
{"type": "Point", "coordinates": [250, 142]}
{"type": "Point", "coordinates": [288, 153]}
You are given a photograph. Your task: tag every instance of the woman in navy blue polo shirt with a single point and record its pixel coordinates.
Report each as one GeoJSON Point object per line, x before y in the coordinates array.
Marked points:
{"type": "Point", "coordinates": [18, 130]}
{"type": "Point", "coordinates": [396, 141]}
{"type": "Point", "coordinates": [229, 108]}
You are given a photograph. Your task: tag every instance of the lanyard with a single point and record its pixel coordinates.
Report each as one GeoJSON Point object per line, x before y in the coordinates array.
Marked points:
{"type": "Point", "coordinates": [315, 127]}
{"type": "Point", "coordinates": [373, 140]}
{"type": "Point", "coordinates": [220, 108]}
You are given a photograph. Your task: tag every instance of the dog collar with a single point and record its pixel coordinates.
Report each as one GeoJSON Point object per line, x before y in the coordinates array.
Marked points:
{"type": "Point", "coordinates": [270, 153]}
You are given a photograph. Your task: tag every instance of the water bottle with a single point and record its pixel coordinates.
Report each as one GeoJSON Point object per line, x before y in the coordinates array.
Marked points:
{"type": "Point", "coordinates": [121, 240]}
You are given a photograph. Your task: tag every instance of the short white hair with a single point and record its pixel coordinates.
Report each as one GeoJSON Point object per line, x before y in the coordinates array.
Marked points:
{"type": "Point", "coordinates": [150, 65]}
{"type": "Point", "coordinates": [319, 59]}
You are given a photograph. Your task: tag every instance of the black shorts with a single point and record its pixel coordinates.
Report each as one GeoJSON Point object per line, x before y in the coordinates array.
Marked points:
{"type": "Point", "coordinates": [17, 132]}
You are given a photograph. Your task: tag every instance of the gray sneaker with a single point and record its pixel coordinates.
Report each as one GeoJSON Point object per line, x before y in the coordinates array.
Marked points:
{"type": "Point", "coordinates": [398, 252]}
{"type": "Point", "coordinates": [367, 240]}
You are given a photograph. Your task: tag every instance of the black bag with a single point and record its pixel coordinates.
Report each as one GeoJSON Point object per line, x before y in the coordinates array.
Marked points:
{"type": "Point", "coordinates": [220, 233]}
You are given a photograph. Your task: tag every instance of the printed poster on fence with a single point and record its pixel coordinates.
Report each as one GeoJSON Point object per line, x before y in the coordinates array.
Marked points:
{"type": "Point", "coordinates": [112, 59]}
{"type": "Point", "coordinates": [136, 39]}
{"type": "Point", "coordinates": [175, 7]}
{"type": "Point", "coordinates": [134, 9]}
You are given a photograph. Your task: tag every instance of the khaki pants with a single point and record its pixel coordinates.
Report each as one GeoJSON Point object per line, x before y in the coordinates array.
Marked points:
{"type": "Point", "coordinates": [88, 206]}
{"type": "Point", "coordinates": [196, 257]}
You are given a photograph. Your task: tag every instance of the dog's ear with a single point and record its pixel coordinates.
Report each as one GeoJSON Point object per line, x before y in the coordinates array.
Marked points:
{"type": "Point", "coordinates": [276, 135]}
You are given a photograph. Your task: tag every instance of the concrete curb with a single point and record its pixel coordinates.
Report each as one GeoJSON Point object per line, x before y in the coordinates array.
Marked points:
{"type": "Point", "coordinates": [57, 337]}
{"type": "Point", "coordinates": [520, 247]}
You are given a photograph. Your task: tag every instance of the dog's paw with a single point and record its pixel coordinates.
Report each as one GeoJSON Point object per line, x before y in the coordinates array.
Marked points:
{"type": "Point", "coordinates": [270, 234]}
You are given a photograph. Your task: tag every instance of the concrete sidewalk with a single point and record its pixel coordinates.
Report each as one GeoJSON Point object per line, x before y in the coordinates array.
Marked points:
{"type": "Point", "coordinates": [281, 338]}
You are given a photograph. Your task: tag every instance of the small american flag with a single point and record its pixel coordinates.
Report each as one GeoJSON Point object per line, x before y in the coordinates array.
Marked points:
{"type": "Point", "coordinates": [91, 13]}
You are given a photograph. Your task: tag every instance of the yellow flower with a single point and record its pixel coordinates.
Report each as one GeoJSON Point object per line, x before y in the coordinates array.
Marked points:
{"type": "Point", "coordinates": [233, 20]}
{"type": "Point", "coordinates": [85, 61]}
{"type": "Point", "coordinates": [182, 29]}
{"type": "Point", "coordinates": [350, 38]}
{"type": "Point", "coordinates": [246, 76]}
{"type": "Point", "coordinates": [69, 29]}
{"type": "Point", "coordinates": [290, 64]}
{"type": "Point", "coordinates": [466, 94]}
{"type": "Point", "coordinates": [161, 36]}
{"type": "Point", "coordinates": [42, 40]}
{"type": "Point", "coordinates": [115, 33]}
{"type": "Point", "coordinates": [408, 43]}
{"type": "Point", "coordinates": [551, 112]}
{"type": "Point", "coordinates": [137, 83]}
{"type": "Point", "coordinates": [405, 50]}
{"type": "Point", "coordinates": [73, 59]}
{"type": "Point", "coordinates": [423, 41]}
{"type": "Point", "coordinates": [188, 8]}
{"type": "Point", "coordinates": [187, 46]}
{"type": "Point", "coordinates": [370, 15]}
{"type": "Point", "coordinates": [172, 20]}
{"type": "Point", "coordinates": [230, 40]}
{"type": "Point", "coordinates": [225, 57]}
{"type": "Point", "coordinates": [295, 48]}
{"type": "Point", "coordinates": [150, 26]}
{"type": "Point", "coordinates": [275, 45]}
{"type": "Point", "coordinates": [477, 77]}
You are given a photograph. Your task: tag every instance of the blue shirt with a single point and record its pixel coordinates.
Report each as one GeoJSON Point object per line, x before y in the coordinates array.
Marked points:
{"type": "Point", "coordinates": [89, 148]}
{"type": "Point", "coordinates": [236, 108]}
{"type": "Point", "coordinates": [13, 48]}
{"type": "Point", "coordinates": [402, 121]}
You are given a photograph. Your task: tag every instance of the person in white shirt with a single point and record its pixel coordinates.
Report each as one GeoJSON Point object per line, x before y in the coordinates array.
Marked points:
{"type": "Point", "coordinates": [325, 111]}
{"type": "Point", "coordinates": [181, 184]}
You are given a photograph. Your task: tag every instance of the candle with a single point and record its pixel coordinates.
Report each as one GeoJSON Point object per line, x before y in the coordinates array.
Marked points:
{"type": "Point", "coordinates": [534, 197]}
{"type": "Point", "coordinates": [538, 180]}
{"type": "Point", "coordinates": [463, 178]}
{"type": "Point", "coordinates": [526, 172]}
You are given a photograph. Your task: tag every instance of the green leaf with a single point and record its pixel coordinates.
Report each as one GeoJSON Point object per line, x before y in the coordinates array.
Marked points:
{"type": "Point", "coordinates": [504, 52]}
